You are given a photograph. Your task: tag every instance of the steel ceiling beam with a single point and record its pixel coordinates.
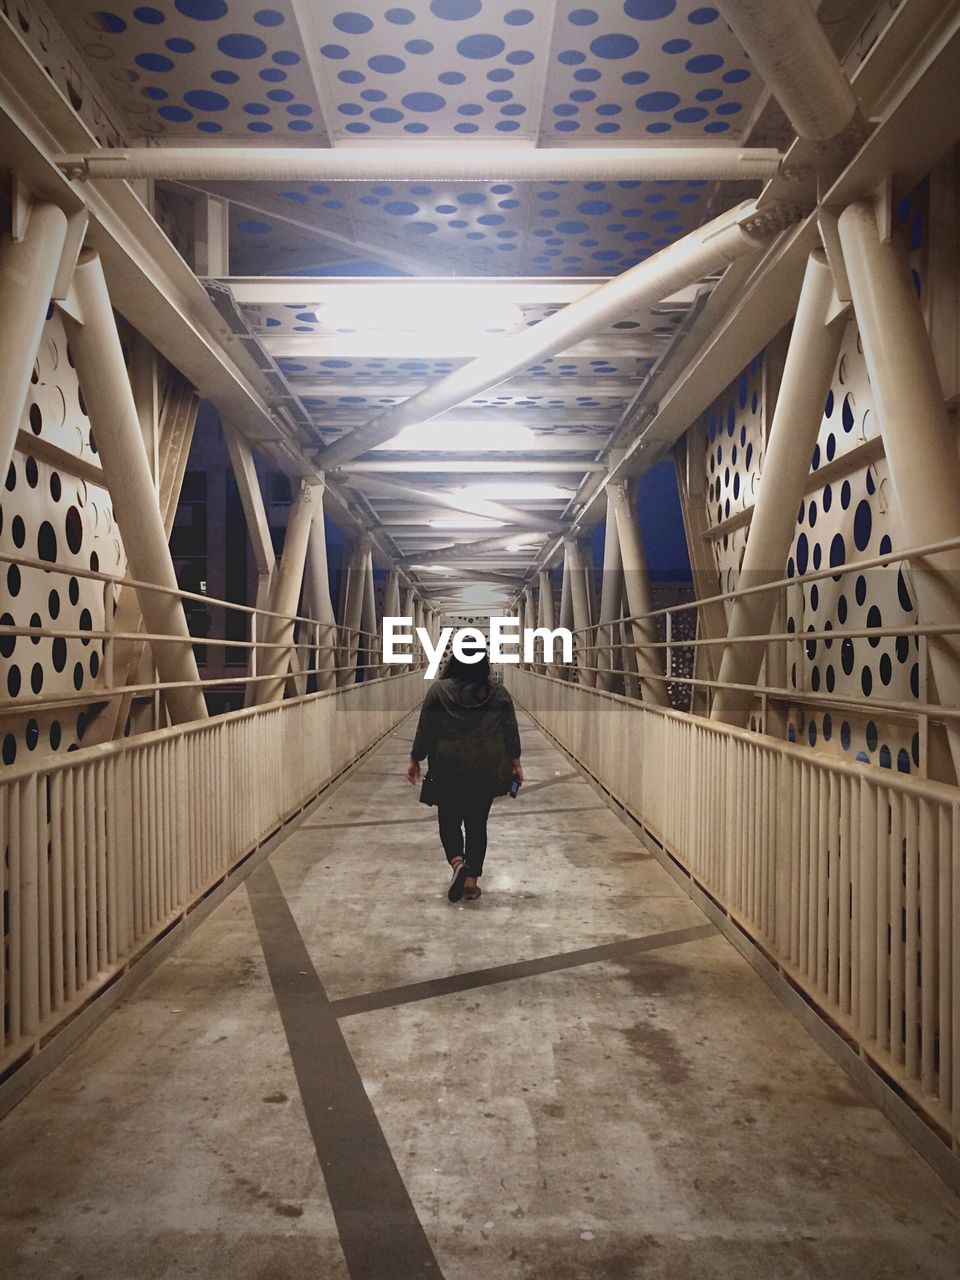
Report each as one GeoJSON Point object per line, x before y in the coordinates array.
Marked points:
{"type": "Point", "coordinates": [415, 162]}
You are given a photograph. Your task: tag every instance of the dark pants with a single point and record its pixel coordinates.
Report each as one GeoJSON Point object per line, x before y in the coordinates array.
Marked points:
{"type": "Point", "coordinates": [463, 829]}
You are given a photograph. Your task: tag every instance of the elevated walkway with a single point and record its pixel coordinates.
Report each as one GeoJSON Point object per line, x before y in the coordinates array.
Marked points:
{"type": "Point", "coordinates": [340, 1075]}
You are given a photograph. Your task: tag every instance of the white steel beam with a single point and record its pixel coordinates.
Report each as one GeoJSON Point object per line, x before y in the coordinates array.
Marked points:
{"type": "Point", "coordinates": [311, 292]}
{"type": "Point", "coordinates": [791, 51]}
{"type": "Point", "coordinates": [555, 387]}
{"type": "Point", "coordinates": [324, 345]}
{"type": "Point", "coordinates": [476, 465]}
{"type": "Point", "coordinates": [463, 503]}
{"type": "Point", "coordinates": [700, 253]}
{"type": "Point", "coordinates": [401, 162]}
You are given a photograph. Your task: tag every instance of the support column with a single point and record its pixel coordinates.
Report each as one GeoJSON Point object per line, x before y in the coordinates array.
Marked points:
{"type": "Point", "coordinates": [113, 415]}
{"type": "Point", "coordinates": [409, 610]}
{"type": "Point", "coordinates": [529, 618]}
{"type": "Point", "coordinates": [636, 583]}
{"type": "Point", "coordinates": [580, 602]}
{"type": "Point", "coordinates": [919, 441]}
{"type": "Point", "coordinates": [391, 607]}
{"type": "Point", "coordinates": [28, 270]}
{"type": "Point", "coordinates": [317, 588]}
{"type": "Point", "coordinates": [810, 364]}
{"type": "Point", "coordinates": [545, 613]}
{"type": "Point", "coordinates": [275, 661]}
{"type": "Point", "coordinates": [369, 624]}
{"type": "Point", "coordinates": [566, 599]}
{"type": "Point", "coordinates": [611, 597]}
{"type": "Point", "coordinates": [353, 612]}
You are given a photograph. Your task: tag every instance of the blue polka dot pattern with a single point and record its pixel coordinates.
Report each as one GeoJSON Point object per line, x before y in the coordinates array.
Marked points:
{"type": "Point", "coordinates": [653, 67]}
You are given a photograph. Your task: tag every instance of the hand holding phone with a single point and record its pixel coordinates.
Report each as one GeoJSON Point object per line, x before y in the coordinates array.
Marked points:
{"type": "Point", "coordinates": [515, 786]}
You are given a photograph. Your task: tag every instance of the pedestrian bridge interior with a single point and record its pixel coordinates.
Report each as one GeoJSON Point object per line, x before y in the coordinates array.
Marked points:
{"type": "Point", "coordinates": [638, 319]}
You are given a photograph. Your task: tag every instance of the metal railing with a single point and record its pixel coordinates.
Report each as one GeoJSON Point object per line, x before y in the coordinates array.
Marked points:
{"type": "Point", "coordinates": [110, 845]}
{"type": "Point", "coordinates": [846, 874]}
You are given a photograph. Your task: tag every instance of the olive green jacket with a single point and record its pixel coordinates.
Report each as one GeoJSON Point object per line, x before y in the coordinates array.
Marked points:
{"type": "Point", "coordinates": [469, 734]}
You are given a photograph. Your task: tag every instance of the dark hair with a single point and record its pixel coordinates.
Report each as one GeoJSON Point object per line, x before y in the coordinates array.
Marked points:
{"type": "Point", "coordinates": [468, 672]}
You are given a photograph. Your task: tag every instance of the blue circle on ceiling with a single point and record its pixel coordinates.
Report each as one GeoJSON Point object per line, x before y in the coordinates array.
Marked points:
{"type": "Point", "coordinates": [636, 77]}
{"type": "Point", "coordinates": [659, 127]}
{"type": "Point", "coordinates": [513, 109]}
{"type": "Point", "coordinates": [255, 228]}
{"type": "Point", "coordinates": [567, 126]}
{"type": "Point", "coordinates": [501, 189]}
{"type": "Point", "coordinates": [565, 109]}
{"type": "Point", "coordinates": [177, 114]}
{"type": "Point", "coordinates": [424, 102]}
{"type": "Point", "coordinates": [649, 10]}
{"type": "Point", "coordinates": [520, 57]}
{"type": "Point", "coordinates": [202, 10]}
{"type": "Point", "coordinates": [691, 115]}
{"type": "Point", "coordinates": [700, 17]}
{"type": "Point", "coordinates": [206, 100]}
{"type": "Point", "coordinates": [224, 77]}
{"type": "Point", "coordinates": [178, 45]}
{"type": "Point", "coordinates": [704, 63]}
{"type": "Point", "coordinates": [471, 197]}
{"type": "Point", "coordinates": [593, 207]}
{"type": "Point", "coordinates": [418, 46]}
{"type": "Point", "coordinates": [351, 77]}
{"type": "Point", "coordinates": [451, 77]}
{"type": "Point", "coordinates": [518, 17]}
{"type": "Point", "coordinates": [571, 57]}
{"type": "Point", "coordinates": [455, 10]}
{"type": "Point", "coordinates": [583, 17]}
{"type": "Point", "coordinates": [658, 101]}
{"type": "Point", "coordinates": [709, 95]}
{"type": "Point", "coordinates": [153, 62]}
{"type": "Point", "coordinates": [499, 95]}
{"type": "Point", "coordinates": [491, 219]}
{"type": "Point", "coordinates": [302, 125]}
{"type": "Point", "coordinates": [280, 95]}
{"type": "Point", "coordinates": [345, 109]}
{"type": "Point", "coordinates": [735, 77]}
{"type": "Point", "coordinates": [269, 18]}
{"type": "Point", "coordinates": [446, 208]}
{"type": "Point", "coordinates": [273, 74]}
{"type": "Point", "coordinates": [386, 64]}
{"type": "Point", "coordinates": [582, 95]}
{"type": "Point", "coordinates": [480, 46]}
{"type": "Point", "coordinates": [357, 127]}
{"type": "Point", "coordinates": [586, 75]}
{"type": "Point", "coordinates": [401, 208]}
{"type": "Point", "coordinates": [241, 46]}
{"type": "Point", "coordinates": [716, 126]}
{"type": "Point", "coordinates": [614, 46]}
{"type": "Point", "coordinates": [676, 46]}
{"type": "Point", "coordinates": [210, 126]}
{"type": "Point", "coordinates": [256, 109]}
{"type": "Point", "coordinates": [334, 51]}
{"type": "Point", "coordinates": [152, 17]}
{"type": "Point", "coordinates": [500, 74]}
{"type": "Point", "coordinates": [286, 58]}
{"type": "Point", "coordinates": [729, 108]}
{"type": "Point", "coordinates": [572, 228]}
{"type": "Point", "coordinates": [470, 109]}
{"type": "Point", "coordinates": [609, 109]}
{"type": "Point", "coordinates": [300, 109]}
{"type": "Point", "coordinates": [463, 127]}
{"type": "Point", "coordinates": [508, 204]}
{"type": "Point", "coordinates": [155, 93]}
{"type": "Point", "coordinates": [353, 24]}
{"type": "Point", "coordinates": [373, 95]}
{"type": "Point", "coordinates": [110, 23]}
{"type": "Point", "coordinates": [400, 17]}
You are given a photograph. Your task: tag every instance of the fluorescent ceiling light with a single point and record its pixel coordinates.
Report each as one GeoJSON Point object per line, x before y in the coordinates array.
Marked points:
{"type": "Point", "coordinates": [506, 492]}
{"type": "Point", "coordinates": [464, 522]}
{"type": "Point", "coordinates": [421, 309]}
{"type": "Point", "coordinates": [439, 437]}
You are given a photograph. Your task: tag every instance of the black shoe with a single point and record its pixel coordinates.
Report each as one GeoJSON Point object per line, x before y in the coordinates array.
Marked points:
{"type": "Point", "coordinates": [455, 892]}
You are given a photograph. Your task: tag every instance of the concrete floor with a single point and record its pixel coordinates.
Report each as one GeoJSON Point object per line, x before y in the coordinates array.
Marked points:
{"type": "Point", "coordinates": [643, 1109]}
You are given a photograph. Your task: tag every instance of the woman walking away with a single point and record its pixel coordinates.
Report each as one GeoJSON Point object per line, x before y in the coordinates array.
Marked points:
{"type": "Point", "coordinates": [468, 733]}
